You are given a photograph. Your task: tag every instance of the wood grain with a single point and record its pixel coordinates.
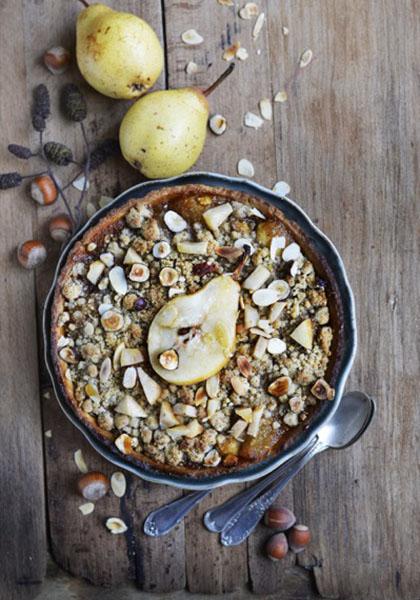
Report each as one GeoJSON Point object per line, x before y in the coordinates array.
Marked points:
{"type": "Point", "coordinates": [22, 513]}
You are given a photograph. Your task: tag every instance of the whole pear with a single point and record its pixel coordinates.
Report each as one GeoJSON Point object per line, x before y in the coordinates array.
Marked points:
{"type": "Point", "coordinates": [163, 133]}
{"type": "Point", "coordinates": [118, 53]}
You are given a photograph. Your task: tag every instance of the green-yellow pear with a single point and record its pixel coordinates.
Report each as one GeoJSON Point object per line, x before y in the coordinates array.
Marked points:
{"type": "Point", "coordinates": [118, 53]}
{"type": "Point", "coordinates": [163, 133]}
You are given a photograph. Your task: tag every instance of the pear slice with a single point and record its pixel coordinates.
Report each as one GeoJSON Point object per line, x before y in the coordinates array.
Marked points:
{"type": "Point", "coordinates": [304, 334]}
{"type": "Point", "coordinates": [201, 327]}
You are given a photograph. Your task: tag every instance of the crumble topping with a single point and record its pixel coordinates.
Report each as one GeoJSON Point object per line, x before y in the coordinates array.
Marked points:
{"type": "Point", "coordinates": [271, 377]}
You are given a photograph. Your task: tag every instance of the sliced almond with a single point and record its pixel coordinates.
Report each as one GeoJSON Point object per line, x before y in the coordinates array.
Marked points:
{"type": "Point", "coordinates": [217, 124]}
{"type": "Point", "coordinates": [266, 109]}
{"type": "Point", "coordinates": [213, 405]}
{"type": "Point", "coordinates": [265, 297]}
{"type": "Point", "coordinates": [151, 389]}
{"type": "Point", "coordinates": [245, 244]}
{"type": "Point", "coordinates": [238, 429]}
{"type": "Point", "coordinates": [260, 332]}
{"type": "Point", "coordinates": [304, 334]}
{"type": "Point", "coordinates": [278, 242]}
{"type": "Point", "coordinates": [116, 525]}
{"type": "Point", "coordinates": [257, 213]}
{"type": "Point", "coordinates": [260, 347]}
{"type": "Point", "coordinates": [252, 120]}
{"type": "Point", "coordinates": [105, 370]}
{"type": "Point", "coordinates": [185, 410]}
{"type": "Point", "coordinates": [131, 257]}
{"type": "Point", "coordinates": [124, 443]}
{"type": "Point", "coordinates": [254, 427]}
{"type": "Point", "coordinates": [118, 484]}
{"type": "Point", "coordinates": [276, 310]}
{"type": "Point", "coordinates": [192, 38]}
{"type": "Point", "coordinates": [131, 356]}
{"type": "Point", "coordinates": [191, 430]}
{"type": "Point", "coordinates": [280, 386]}
{"type": "Point", "coordinates": [257, 278]}
{"type": "Point", "coordinates": [117, 355]}
{"type": "Point", "coordinates": [80, 461]}
{"type": "Point", "coordinates": [306, 58]}
{"type": "Point", "coordinates": [281, 287]}
{"type": "Point", "coordinates": [174, 222]}
{"type": "Point", "coordinates": [112, 320]}
{"type": "Point", "coordinates": [265, 325]}
{"type": "Point", "coordinates": [213, 386]}
{"type": "Point", "coordinates": [258, 26]}
{"type": "Point", "coordinates": [214, 217]}
{"type": "Point", "coordinates": [291, 252]}
{"type": "Point", "coordinates": [245, 168]}
{"type": "Point", "coordinates": [92, 391]}
{"type": "Point", "coordinates": [240, 385]}
{"type": "Point", "coordinates": [130, 377]}
{"type": "Point", "coordinates": [191, 68]}
{"type": "Point", "coordinates": [244, 366]}
{"type": "Point", "coordinates": [192, 247]}
{"type": "Point", "coordinates": [249, 11]}
{"type": "Point", "coordinates": [251, 316]}
{"type": "Point", "coordinates": [139, 273]}
{"type": "Point", "coordinates": [161, 249]}
{"type": "Point", "coordinates": [281, 96]}
{"type": "Point", "coordinates": [166, 416]}
{"type": "Point", "coordinates": [96, 268]}
{"type": "Point", "coordinates": [68, 355]}
{"type": "Point", "coordinates": [229, 252]}
{"type": "Point", "coordinates": [87, 508]}
{"type": "Point", "coordinates": [276, 346]}
{"type": "Point", "coordinates": [322, 390]}
{"type": "Point", "coordinates": [245, 414]}
{"type": "Point", "coordinates": [282, 188]}
{"type": "Point", "coordinates": [130, 407]}
{"type": "Point", "coordinates": [200, 396]}
{"type": "Point", "coordinates": [295, 268]}
{"type": "Point", "coordinates": [107, 258]}
{"type": "Point", "coordinates": [118, 280]}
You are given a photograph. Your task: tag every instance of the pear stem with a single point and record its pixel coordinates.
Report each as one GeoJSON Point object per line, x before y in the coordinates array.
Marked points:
{"type": "Point", "coordinates": [219, 80]}
{"type": "Point", "coordinates": [85, 3]}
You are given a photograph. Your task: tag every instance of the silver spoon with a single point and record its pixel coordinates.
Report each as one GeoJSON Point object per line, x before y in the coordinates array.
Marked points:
{"type": "Point", "coordinates": [348, 423]}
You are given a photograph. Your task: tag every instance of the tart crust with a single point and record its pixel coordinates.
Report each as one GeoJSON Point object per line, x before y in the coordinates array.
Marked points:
{"type": "Point", "coordinates": [177, 197]}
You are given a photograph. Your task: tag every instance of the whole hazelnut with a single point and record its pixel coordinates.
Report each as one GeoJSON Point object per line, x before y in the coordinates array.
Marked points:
{"type": "Point", "coordinates": [93, 485]}
{"type": "Point", "coordinates": [31, 254]}
{"type": "Point", "coordinates": [299, 537]}
{"type": "Point", "coordinates": [277, 546]}
{"type": "Point", "coordinates": [280, 518]}
{"type": "Point", "coordinates": [43, 190]}
{"type": "Point", "coordinates": [57, 60]}
{"type": "Point", "coordinates": [60, 227]}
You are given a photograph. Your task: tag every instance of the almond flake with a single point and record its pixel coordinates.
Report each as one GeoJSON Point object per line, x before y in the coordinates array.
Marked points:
{"type": "Point", "coordinates": [174, 221]}
{"type": "Point", "coordinates": [252, 120]}
{"type": "Point", "coordinates": [282, 188]}
{"type": "Point", "coordinates": [245, 168]}
{"type": "Point", "coordinates": [161, 249]}
{"type": "Point", "coordinates": [87, 508]}
{"type": "Point", "coordinates": [295, 268]}
{"type": "Point", "coordinates": [278, 242]}
{"type": "Point", "coordinates": [104, 307]}
{"type": "Point", "coordinates": [217, 124]}
{"type": "Point", "coordinates": [257, 278]}
{"type": "Point", "coordinates": [80, 461]}
{"type": "Point", "coordinates": [276, 346]}
{"type": "Point", "coordinates": [257, 213]}
{"type": "Point", "coordinates": [285, 30]}
{"type": "Point", "coordinates": [213, 386]}
{"type": "Point", "coordinates": [260, 347]}
{"type": "Point", "coordinates": [105, 370]}
{"type": "Point", "coordinates": [192, 38]}
{"type": "Point", "coordinates": [281, 287]}
{"type": "Point", "coordinates": [130, 407]}
{"type": "Point", "coordinates": [107, 258]}
{"type": "Point", "coordinates": [281, 96]}
{"type": "Point", "coordinates": [151, 389]}
{"type": "Point", "coordinates": [291, 252]}
{"type": "Point", "coordinates": [118, 280]}
{"type": "Point", "coordinates": [265, 297]}
{"type": "Point", "coordinates": [249, 11]}
{"type": "Point", "coordinates": [96, 269]}
{"type": "Point", "coordinates": [242, 53]}
{"type": "Point", "coordinates": [306, 58]}
{"type": "Point", "coordinates": [191, 68]}
{"type": "Point", "coordinates": [240, 385]}
{"type": "Point", "coordinates": [276, 310]}
{"type": "Point", "coordinates": [80, 184]}
{"type": "Point", "coordinates": [266, 109]}
{"type": "Point", "coordinates": [258, 26]}
{"type": "Point", "coordinates": [118, 484]}
{"type": "Point", "coordinates": [124, 443]}
{"type": "Point", "coordinates": [116, 525]}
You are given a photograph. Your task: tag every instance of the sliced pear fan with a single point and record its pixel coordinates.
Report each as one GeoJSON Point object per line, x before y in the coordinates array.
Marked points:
{"type": "Point", "coordinates": [207, 320]}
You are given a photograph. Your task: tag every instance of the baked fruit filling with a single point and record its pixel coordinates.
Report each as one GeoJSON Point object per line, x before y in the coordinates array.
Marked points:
{"type": "Point", "coordinates": [194, 333]}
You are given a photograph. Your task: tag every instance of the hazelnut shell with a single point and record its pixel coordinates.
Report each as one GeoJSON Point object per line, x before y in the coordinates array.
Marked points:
{"type": "Point", "coordinates": [277, 546]}
{"type": "Point", "coordinates": [299, 537]}
{"type": "Point", "coordinates": [280, 518]}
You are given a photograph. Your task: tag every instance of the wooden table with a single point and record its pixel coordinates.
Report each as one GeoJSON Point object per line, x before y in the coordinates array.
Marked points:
{"type": "Point", "coordinates": [347, 143]}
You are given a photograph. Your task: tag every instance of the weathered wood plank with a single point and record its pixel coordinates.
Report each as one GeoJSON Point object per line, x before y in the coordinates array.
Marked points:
{"type": "Point", "coordinates": [22, 514]}
{"type": "Point", "coordinates": [82, 545]}
{"type": "Point", "coordinates": [348, 134]}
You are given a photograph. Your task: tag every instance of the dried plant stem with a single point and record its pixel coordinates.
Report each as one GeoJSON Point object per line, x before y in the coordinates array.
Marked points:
{"type": "Point", "coordinates": [56, 183]}
{"type": "Point", "coordinates": [219, 80]}
{"type": "Point", "coordinates": [85, 3]}
{"type": "Point", "coordinates": [34, 174]}
{"type": "Point", "coordinates": [86, 174]}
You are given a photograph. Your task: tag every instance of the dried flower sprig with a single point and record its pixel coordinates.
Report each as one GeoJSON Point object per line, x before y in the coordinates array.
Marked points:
{"type": "Point", "coordinates": [54, 153]}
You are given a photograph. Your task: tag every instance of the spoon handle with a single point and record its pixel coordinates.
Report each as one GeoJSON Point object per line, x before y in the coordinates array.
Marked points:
{"type": "Point", "coordinates": [240, 528]}
{"type": "Point", "coordinates": [218, 518]}
{"type": "Point", "coordinates": [161, 521]}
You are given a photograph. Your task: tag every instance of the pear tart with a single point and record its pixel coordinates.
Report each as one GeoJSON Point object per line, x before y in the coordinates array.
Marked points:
{"type": "Point", "coordinates": [195, 330]}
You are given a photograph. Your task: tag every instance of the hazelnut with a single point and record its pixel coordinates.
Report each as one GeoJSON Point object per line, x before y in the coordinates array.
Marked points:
{"type": "Point", "coordinates": [31, 254]}
{"type": "Point", "coordinates": [93, 485]}
{"type": "Point", "coordinates": [168, 276]}
{"type": "Point", "coordinates": [43, 190]}
{"type": "Point", "coordinates": [322, 390]}
{"type": "Point", "coordinates": [57, 60]}
{"type": "Point", "coordinates": [169, 360]}
{"type": "Point", "coordinates": [277, 546]}
{"type": "Point", "coordinates": [299, 537]}
{"type": "Point", "coordinates": [279, 517]}
{"type": "Point", "coordinates": [60, 227]}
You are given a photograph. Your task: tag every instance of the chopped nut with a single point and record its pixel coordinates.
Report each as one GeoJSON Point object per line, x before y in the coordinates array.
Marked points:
{"type": "Point", "coordinates": [161, 250]}
{"type": "Point", "coordinates": [151, 389]}
{"type": "Point", "coordinates": [192, 38]}
{"type": "Point", "coordinates": [192, 247]}
{"type": "Point", "coordinates": [129, 379]}
{"type": "Point", "coordinates": [258, 26]}
{"type": "Point", "coordinates": [191, 68]}
{"type": "Point", "coordinates": [280, 386]}
{"type": "Point", "coordinates": [139, 272]}
{"type": "Point", "coordinates": [260, 347]}
{"type": "Point", "coordinates": [93, 485]}
{"type": "Point", "coordinates": [249, 11]}
{"type": "Point", "coordinates": [174, 222]}
{"type": "Point", "coordinates": [276, 346]}
{"type": "Point", "coordinates": [167, 417]}
{"type": "Point", "coordinates": [112, 320]}
{"type": "Point", "coordinates": [254, 427]}
{"type": "Point", "coordinates": [124, 443]}
{"type": "Point", "coordinates": [168, 276]}
{"type": "Point", "coordinates": [245, 168]}
{"type": "Point", "coordinates": [87, 508]}
{"type": "Point", "coordinates": [304, 334]}
{"type": "Point", "coordinates": [130, 356]}
{"type": "Point", "coordinates": [116, 525]}
{"type": "Point", "coordinates": [266, 109]}
{"type": "Point", "coordinates": [252, 120]}
{"type": "Point", "coordinates": [130, 407]}
{"type": "Point", "coordinates": [238, 429]}
{"type": "Point", "coordinates": [244, 366]}
{"type": "Point", "coordinates": [191, 430]}
{"type": "Point", "coordinates": [213, 386]}
{"type": "Point", "coordinates": [217, 124]}
{"type": "Point", "coordinates": [95, 271]}
{"type": "Point", "coordinates": [230, 53]}
{"type": "Point", "coordinates": [281, 188]}
{"type": "Point", "coordinates": [106, 368]}
{"type": "Point", "coordinates": [80, 461]}
{"type": "Point", "coordinates": [245, 414]}
{"type": "Point", "coordinates": [280, 96]}
{"type": "Point", "coordinates": [169, 360]}
{"type": "Point", "coordinates": [118, 484]}
{"type": "Point", "coordinates": [240, 385]}
{"type": "Point", "coordinates": [322, 390]}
